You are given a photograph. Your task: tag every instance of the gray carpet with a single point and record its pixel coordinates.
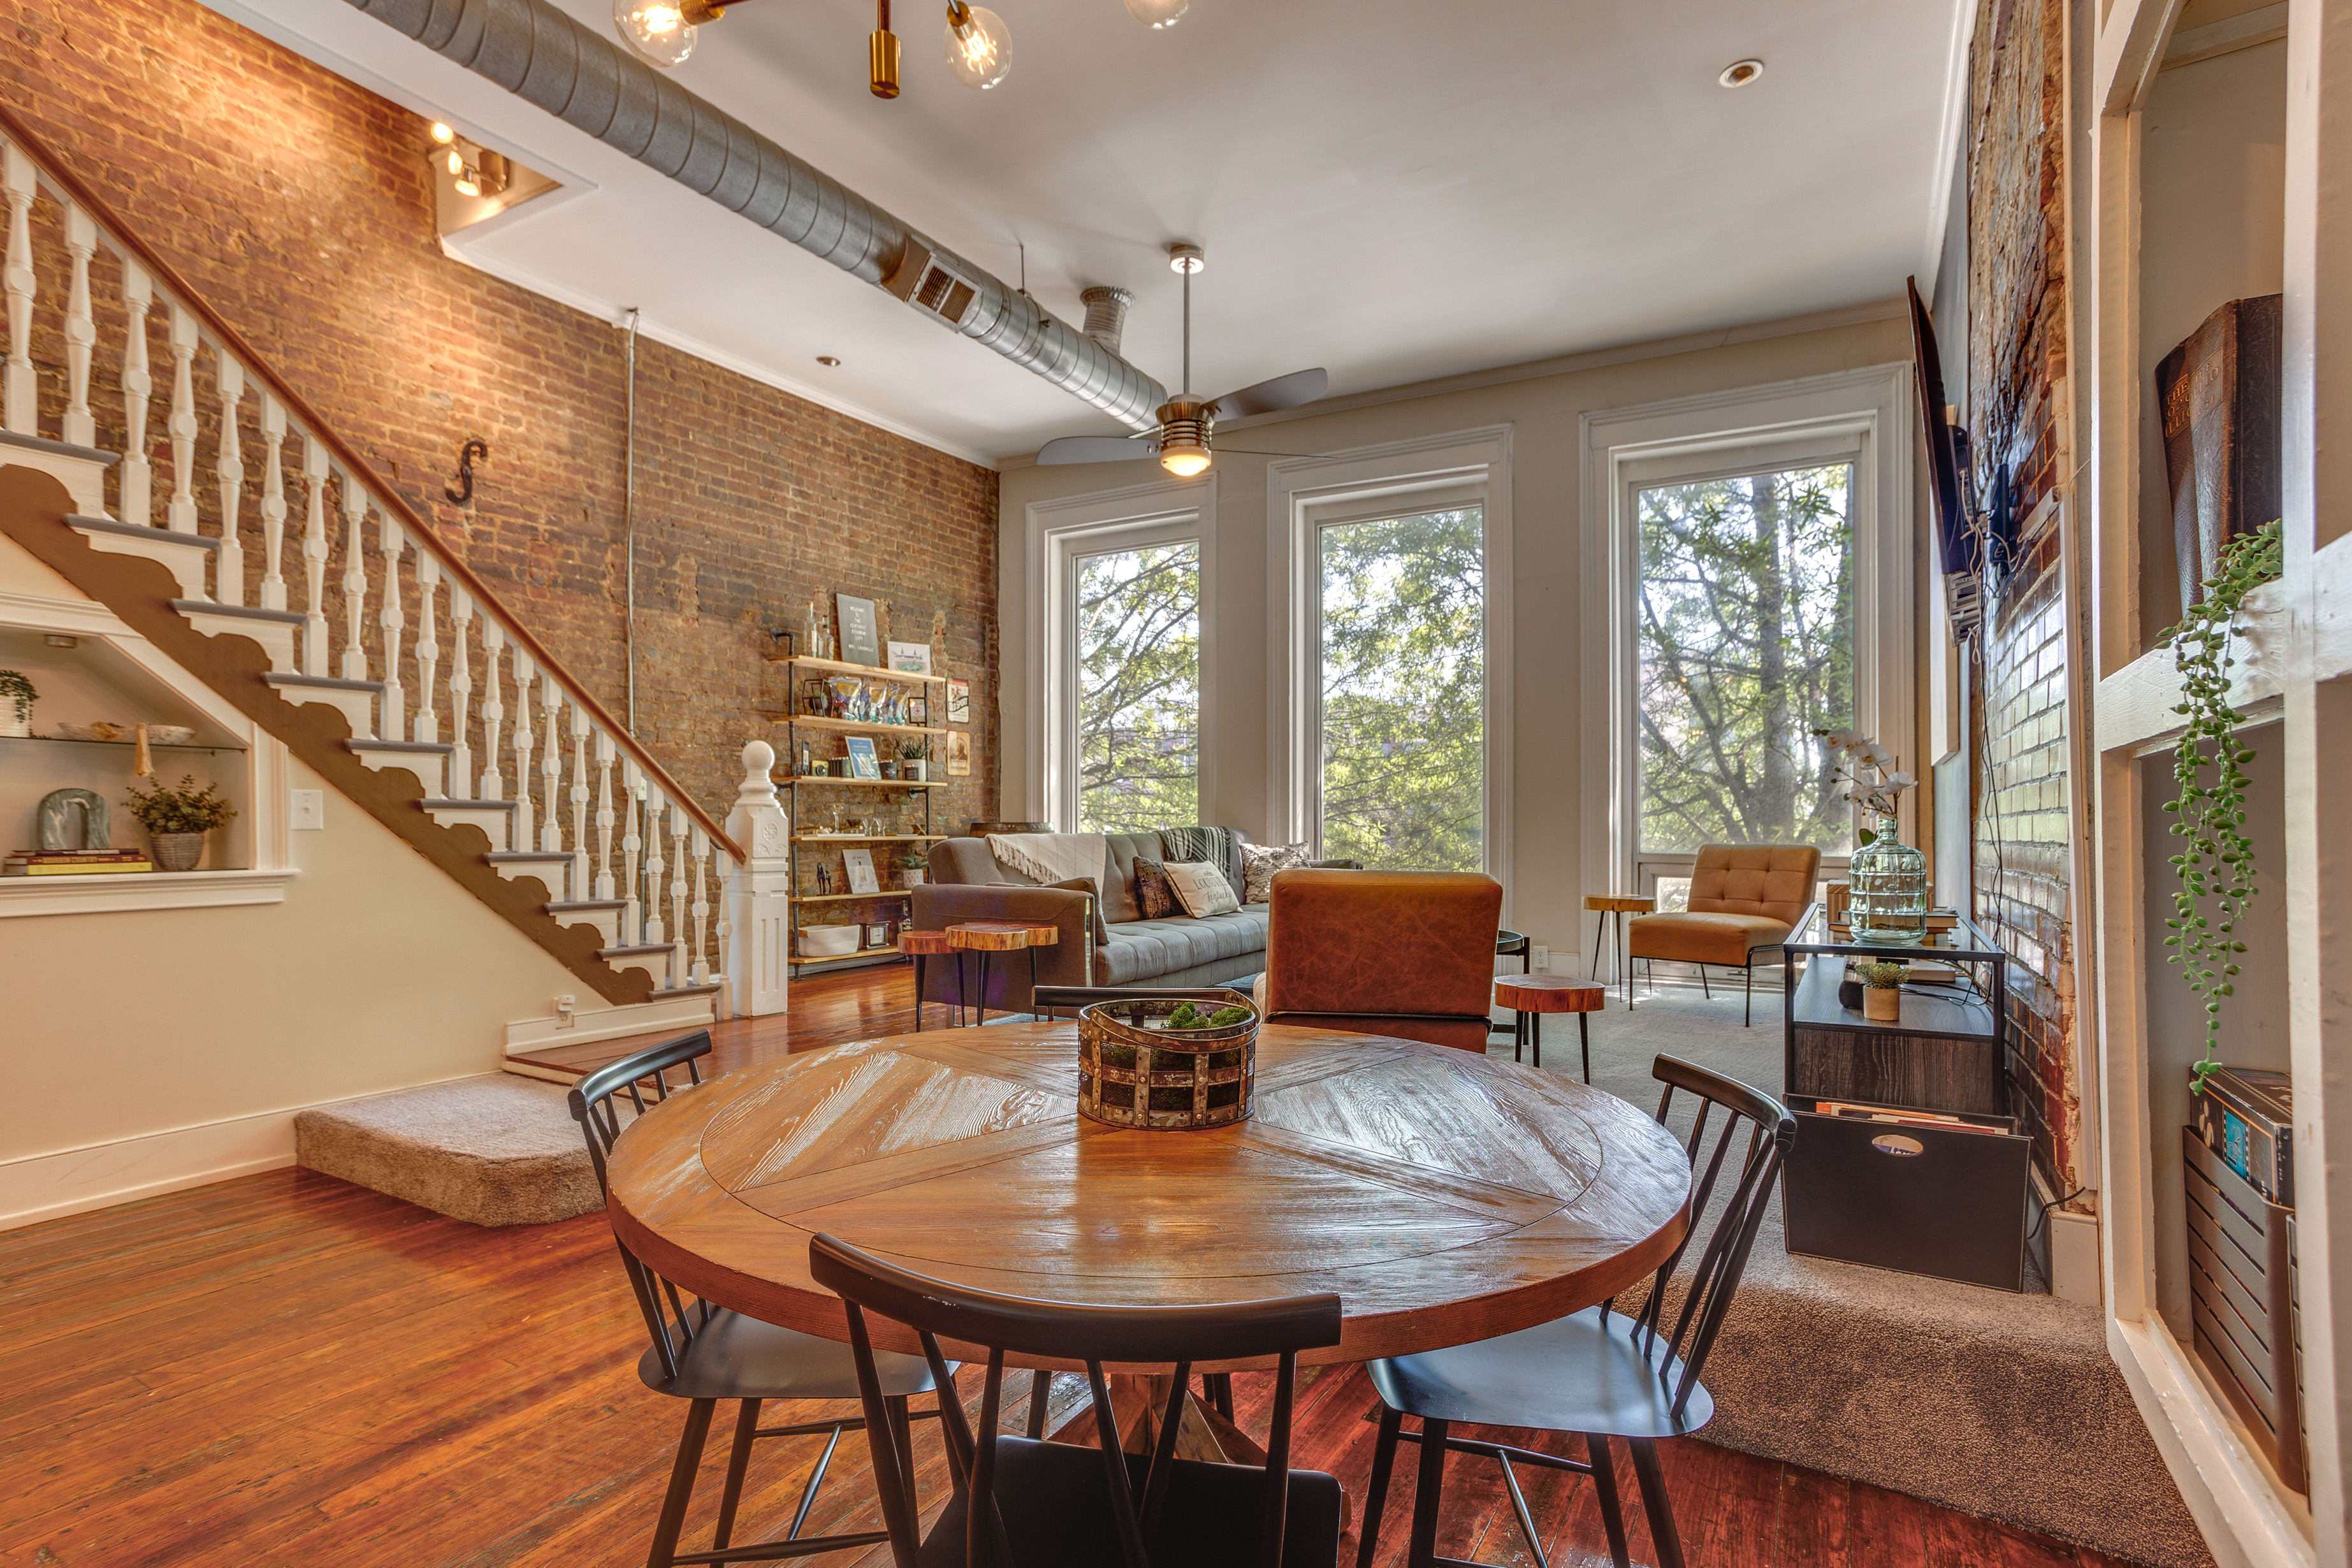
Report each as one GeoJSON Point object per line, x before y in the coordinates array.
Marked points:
{"type": "Point", "coordinates": [493, 1150]}
{"type": "Point", "coordinates": [2000, 1405]}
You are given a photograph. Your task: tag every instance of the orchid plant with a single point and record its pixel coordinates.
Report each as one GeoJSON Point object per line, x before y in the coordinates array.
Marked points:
{"type": "Point", "coordinates": [1867, 777]}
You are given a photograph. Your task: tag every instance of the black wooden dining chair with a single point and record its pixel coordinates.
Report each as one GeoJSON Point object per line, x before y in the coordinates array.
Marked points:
{"type": "Point", "coordinates": [1596, 1373]}
{"type": "Point", "coordinates": [1019, 1503]}
{"type": "Point", "coordinates": [704, 1353]}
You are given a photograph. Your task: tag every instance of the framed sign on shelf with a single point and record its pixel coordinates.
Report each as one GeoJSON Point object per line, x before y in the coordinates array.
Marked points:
{"type": "Point", "coordinates": [859, 864]}
{"type": "Point", "coordinates": [860, 635]}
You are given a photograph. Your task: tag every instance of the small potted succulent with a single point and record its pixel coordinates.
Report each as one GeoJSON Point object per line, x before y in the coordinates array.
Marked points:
{"type": "Point", "coordinates": [1881, 991]}
{"type": "Point", "coordinates": [177, 818]}
{"type": "Point", "coordinates": [913, 866]}
{"type": "Point", "coordinates": [913, 760]}
{"type": "Point", "coordinates": [17, 700]}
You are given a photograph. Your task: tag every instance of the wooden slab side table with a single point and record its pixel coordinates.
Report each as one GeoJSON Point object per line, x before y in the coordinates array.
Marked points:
{"type": "Point", "coordinates": [985, 936]}
{"type": "Point", "coordinates": [1531, 996]}
{"type": "Point", "coordinates": [922, 946]}
{"type": "Point", "coordinates": [1610, 910]}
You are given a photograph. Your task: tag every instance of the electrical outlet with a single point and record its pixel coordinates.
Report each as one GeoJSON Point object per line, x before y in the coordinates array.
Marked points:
{"type": "Point", "coordinates": [308, 808]}
{"type": "Point", "coordinates": [1542, 956]}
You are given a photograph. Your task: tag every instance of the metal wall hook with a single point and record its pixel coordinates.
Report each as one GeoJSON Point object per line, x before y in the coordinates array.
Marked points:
{"type": "Point", "coordinates": [462, 492]}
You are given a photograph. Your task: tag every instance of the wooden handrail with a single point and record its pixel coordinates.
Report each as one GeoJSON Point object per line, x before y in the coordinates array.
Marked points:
{"type": "Point", "coordinates": [420, 532]}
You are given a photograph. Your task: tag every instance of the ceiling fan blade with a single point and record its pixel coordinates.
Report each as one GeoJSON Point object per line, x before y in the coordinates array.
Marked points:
{"type": "Point", "coordinates": [1093, 450]}
{"type": "Point", "coordinates": [1283, 392]}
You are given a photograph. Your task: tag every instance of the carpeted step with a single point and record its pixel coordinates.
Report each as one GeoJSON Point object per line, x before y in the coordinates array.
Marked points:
{"type": "Point", "coordinates": [493, 1150]}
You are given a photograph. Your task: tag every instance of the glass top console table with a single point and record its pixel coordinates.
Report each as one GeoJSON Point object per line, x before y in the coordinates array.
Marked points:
{"type": "Point", "coordinates": [1944, 1054]}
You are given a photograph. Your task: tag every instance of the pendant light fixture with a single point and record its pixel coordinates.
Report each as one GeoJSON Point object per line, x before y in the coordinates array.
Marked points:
{"type": "Point", "coordinates": [658, 30]}
{"type": "Point", "coordinates": [1157, 14]}
{"type": "Point", "coordinates": [980, 47]}
{"type": "Point", "coordinates": [979, 44]}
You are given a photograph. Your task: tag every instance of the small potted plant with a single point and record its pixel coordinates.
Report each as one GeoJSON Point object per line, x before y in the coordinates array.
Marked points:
{"type": "Point", "coordinates": [913, 760]}
{"type": "Point", "coordinates": [177, 818]}
{"type": "Point", "coordinates": [17, 698]}
{"type": "Point", "coordinates": [1882, 992]}
{"type": "Point", "coordinates": [913, 866]}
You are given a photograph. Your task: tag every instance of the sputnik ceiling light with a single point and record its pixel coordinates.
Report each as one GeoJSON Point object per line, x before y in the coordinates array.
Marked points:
{"type": "Point", "coordinates": [979, 44]}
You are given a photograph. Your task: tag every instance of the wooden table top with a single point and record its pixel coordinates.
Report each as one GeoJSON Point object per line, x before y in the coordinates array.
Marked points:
{"type": "Point", "coordinates": [1446, 1197]}
{"type": "Point", "coordinates": [1620, 903]}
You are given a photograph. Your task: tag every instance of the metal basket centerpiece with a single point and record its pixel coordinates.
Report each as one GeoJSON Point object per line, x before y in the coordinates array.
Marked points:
{"type": "Point", "coordinates": [1135, 1071]}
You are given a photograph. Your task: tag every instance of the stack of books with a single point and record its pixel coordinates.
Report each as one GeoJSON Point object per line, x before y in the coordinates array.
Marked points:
{"type": "Point", "coordinates": [1941, 924]}
{"type": "Point", "coordinates": [74, 863]}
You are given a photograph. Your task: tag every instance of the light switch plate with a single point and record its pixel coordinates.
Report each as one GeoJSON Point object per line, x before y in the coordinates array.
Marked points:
{"type": "Point", "coordinates": [309, 808]}
{"type": "Point", "coordinates": [1542, 956]}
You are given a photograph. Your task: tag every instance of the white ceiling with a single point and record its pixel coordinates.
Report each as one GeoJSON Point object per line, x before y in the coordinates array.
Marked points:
{"type": "Point", "coordinates": [1395, 189]}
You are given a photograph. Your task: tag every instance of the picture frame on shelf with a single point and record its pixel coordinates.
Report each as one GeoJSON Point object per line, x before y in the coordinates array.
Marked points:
{"type": "Point", "coordinates": [918, 709]}
{"type": "Point", "coordinates": [864, 763]}
{"type": "Point", "coordinates": [959, 701]}
{"type": "Point", "coordinates": [859, 865]}
{"type": "Point", "coordinates": [910, 659]}
{"type": "Point", "coordinates": [861, 639]}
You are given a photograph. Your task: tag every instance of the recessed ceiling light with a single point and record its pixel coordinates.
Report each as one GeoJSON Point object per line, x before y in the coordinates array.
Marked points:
{"type": "Point", "coordinates": [1740, 73]}
{"type": "Point", "coordinates": [828, 360]}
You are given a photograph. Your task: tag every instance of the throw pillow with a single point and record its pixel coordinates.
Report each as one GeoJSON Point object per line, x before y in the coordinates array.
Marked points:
{"type": "Point", "coordinates": [1214, 844]}
{"type": "Point", "coordinates": [1093, 891]}
{"type": "Point", "coordinates": [1201, 889]}
{"type": "Point", "coordinates": [1261, 861]}
{"type": "Point", "coordinates": [1153, 896]}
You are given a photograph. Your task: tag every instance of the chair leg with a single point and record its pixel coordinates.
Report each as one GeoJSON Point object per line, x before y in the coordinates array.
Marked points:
{"type": "Point", "coordinates": [1664, 1541]}
{"type": "Point", "coordinates": [663, 1551]}
{"type": "Point", "coordinates": [738, 1460]}
{"type": "Point", "coordinates": [1604, 1486]}
{"type": "Point", "coordinates": [902, 1432]}
{"type": "Point", "coordinates": [1748, 1006]}
{"type": "Point", "coordinates": [1041, 1398]}
{"type": "Point", "coordinates": [1220, 1385]}
{"type": "Point", "coordinates": [1376, 1495]}
{"type": "Point", "coordinates": [1428, 1484]}
{"type": "Point", "coordinates": [1702, 983]}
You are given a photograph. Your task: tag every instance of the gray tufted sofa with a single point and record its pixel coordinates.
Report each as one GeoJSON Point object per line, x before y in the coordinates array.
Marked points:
{"type": "Point", "coordinates": [966, 883]}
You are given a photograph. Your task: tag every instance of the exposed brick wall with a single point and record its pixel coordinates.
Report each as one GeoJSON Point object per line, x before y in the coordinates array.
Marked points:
{"type": "Point", "coordinates": [2017, 371]}
{"type": "Point", "coordinates": [300, 206]}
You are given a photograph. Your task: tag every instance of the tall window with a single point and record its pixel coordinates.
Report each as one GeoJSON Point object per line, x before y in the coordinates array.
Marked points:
{"type": "Point", "coordinates": [1402, 612]}
{"type": "Point", "coordinates": [1745, 616]}
{"type": "Point", "coordinates": [1138, 688]}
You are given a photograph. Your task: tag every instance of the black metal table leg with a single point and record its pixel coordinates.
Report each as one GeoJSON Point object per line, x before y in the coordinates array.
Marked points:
{"type": "Point", "coordinates": [1600, 934]}
{"type": "Point", "coordinates": [1033, 984]}
{"type": "Point", "coordinates": [1534, 1039]}
{"type": "Point", "coordinates": [984, 985]}
{"type": "Point", "coordinates": [1584, 1040]}
{"type": "Point", "coordinates": [1519, 1035]}
{"type": "Point", "coordinates": [918, 993]}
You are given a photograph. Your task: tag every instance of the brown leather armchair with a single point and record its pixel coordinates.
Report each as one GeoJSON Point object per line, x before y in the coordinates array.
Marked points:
{"type": "Point", "coordinates": [1743, 900]}
{"type": "Point", "coordinates": [1409, 953]}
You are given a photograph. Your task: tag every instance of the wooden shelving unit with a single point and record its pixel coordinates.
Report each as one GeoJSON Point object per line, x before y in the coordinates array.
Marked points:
{"type": "Point", "coordinates": [850, 726]}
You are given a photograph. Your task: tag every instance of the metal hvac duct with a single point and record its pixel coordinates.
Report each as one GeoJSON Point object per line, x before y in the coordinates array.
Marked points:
{"type": "Point", "coordinates": [587, 80]}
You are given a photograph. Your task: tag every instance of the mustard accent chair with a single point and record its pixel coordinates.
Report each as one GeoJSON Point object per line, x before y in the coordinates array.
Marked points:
{"type": "Point", "coordinates": [1744, 899]}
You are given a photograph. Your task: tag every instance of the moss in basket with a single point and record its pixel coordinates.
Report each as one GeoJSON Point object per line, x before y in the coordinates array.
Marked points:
{"type": "Point", "coordinates": [184, 808]}
{"type": "Point", "coordinates": [1188, 1017]}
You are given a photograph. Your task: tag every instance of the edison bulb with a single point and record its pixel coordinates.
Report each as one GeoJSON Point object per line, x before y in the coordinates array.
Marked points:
{"type": "Point", "coordinates": [1156, 14]}
{"type": "Point", "coordinates": [1183, 456]}
{"type": "Point", "coordinates": [980, 47]}
{"type": "Point", "coordinates": [656, 29]}
{"type": "Point", "coordinates": [469, 180]}
{"type": "Point", "coordinates": [442, 134]}
{"type": "Point", "coordinates": [454, 160]}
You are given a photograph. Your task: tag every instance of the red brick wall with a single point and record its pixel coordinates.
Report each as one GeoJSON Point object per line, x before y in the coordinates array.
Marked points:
{"type": "Point", "coordinates": [2017, 370]}
{"type": "Point", "coordinates": [299, 206]}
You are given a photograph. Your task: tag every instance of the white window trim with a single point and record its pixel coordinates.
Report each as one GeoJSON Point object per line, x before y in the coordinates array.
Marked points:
{"type": "Point", "coordinates": [1866, 413]}
{"type": "Point", "coordinates": [1169, 511]}
{"type": "Point", "coordinates": [1393, 480]}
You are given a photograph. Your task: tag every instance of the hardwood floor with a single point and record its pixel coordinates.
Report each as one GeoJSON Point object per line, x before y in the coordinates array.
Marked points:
{"type": "Point", "coordinates": [287, 1369]}
{"type": "Point", "coordinates": [827, 1009]}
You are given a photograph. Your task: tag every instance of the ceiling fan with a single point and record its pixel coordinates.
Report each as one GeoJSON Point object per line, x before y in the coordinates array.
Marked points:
{"type": "Point", "coordinates": [1180, 441]}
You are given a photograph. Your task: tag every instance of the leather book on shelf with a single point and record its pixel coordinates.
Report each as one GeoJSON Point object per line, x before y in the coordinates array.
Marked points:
{"type": "Point", "coordinates": [2218, 394]}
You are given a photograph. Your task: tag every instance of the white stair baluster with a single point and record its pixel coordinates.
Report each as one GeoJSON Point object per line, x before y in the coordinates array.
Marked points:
{"type": "Point", "coordinates": [494, 708]}
{"type": "Point", "coordinates": [392, 723]}
{"type": "Point", "coordinates": [136, 497]}
{"type": "Point", "coordinates": [428, 646]}
{"type": "Point", "coordinates": [314, 558]}
{"type": "Point", "coordinates": [723, 933]}
{"type": "Point", "coordinates": [461, 696]}
{"type": "Point", "coordinates": [700, 966]}
{"type": "Point", "coordinates": [273, 502]}
{"type": "Point", "coordinates": [81, 331]}
{"type": "Point", "coordinates": [523, 816]}
{"type": "Point", "coordinates": [680, 918]}
{"type": "Point", "coordinates": [20, 391]}
{"type": "Point", "coordinates": [580, 732]}
{"type": "Point", "coordinates": [355, 505]}
{"type": "Point", "coordinates": [180, 515]}
{"type": "Point", "coordinates": [551, 762]}
{"type": "Point", "coordinates": [632, 795]}
{"type": "Point", "coordinates": [606, 752]}
{"type": "Point", "coordinates": [228, 562]}
{"type": "Point", "coordinates": [655, 928]}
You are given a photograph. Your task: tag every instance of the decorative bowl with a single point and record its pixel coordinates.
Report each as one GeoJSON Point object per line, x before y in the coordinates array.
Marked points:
{"type": "Point", "coordinates": [1135, 1071]}
{"type": "Point", "coordinates": [830, 941]}
{"type": "Point", "coordinates": [99, 730]}
{"type": "Point", "coordinates": [170, 735]}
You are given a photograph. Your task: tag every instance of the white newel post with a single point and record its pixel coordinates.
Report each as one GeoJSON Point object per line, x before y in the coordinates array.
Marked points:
{"type": "Point", "coordinates": [759, 911]}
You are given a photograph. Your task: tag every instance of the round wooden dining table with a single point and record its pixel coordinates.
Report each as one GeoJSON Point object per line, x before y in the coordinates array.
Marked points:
{"type": "Point", "coordinates": [1444, 1196]}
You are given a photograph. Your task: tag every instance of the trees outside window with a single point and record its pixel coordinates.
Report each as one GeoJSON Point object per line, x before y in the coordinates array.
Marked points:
{"type": "Point", "coordinates": [1139, 689]}
{"type": "Point", "coordinates": [1745, 619]}
{"type": "Point", "coordinates": [1402, 612]}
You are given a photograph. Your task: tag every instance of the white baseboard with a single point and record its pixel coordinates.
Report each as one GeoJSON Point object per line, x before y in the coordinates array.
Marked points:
{"type": "Point", "coordinates": [610, 1024]}
{"type": "Point", "coordinates": [36, 1187]}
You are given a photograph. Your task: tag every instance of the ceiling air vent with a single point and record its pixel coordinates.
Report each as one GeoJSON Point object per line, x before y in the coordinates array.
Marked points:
{"type": "Point", "coordinates": [925, 282]}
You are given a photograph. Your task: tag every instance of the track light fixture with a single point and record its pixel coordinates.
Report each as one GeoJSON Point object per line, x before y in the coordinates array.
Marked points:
{"type": "Point", "coordinates": [474, 170]}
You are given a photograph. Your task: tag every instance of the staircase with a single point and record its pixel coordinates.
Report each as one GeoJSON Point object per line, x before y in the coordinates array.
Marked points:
{"type": "Point", "coordinates": [306, 593]}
